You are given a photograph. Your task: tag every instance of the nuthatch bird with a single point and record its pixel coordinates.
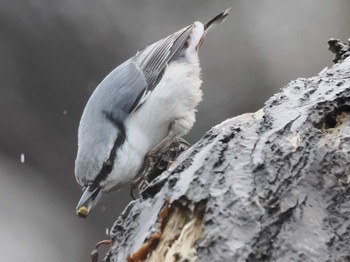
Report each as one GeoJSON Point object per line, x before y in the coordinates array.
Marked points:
{"type": "Point", "coordinates": [138, 110]}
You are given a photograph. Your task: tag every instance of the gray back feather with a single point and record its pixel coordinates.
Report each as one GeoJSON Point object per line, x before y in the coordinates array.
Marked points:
{"type": "Point", "coordinates": [128, 86]}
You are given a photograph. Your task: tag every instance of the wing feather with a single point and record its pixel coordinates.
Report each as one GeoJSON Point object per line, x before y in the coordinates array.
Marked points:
{"type": "Point", "coordinates": [129, 85]}
{"type": "Point", "coordinates": [153, 60]}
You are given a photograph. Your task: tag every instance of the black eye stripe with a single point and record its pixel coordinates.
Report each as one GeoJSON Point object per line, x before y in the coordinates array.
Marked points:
{"type": "Point", "coordinates": [107, 166]}
{"type": "Point", "coordinates": [108, 163]}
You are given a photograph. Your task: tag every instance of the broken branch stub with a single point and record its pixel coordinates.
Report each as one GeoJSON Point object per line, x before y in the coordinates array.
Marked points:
{"type": "Point", "coordinates": [267, 186]}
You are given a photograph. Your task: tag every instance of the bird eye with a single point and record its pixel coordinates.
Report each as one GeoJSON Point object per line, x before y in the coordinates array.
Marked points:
{"type": "Point", "coordinates": [107, 166]}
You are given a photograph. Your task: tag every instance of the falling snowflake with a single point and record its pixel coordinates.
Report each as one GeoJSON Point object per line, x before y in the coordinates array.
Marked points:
{"type": "Point", "coordinates": [23, 158]}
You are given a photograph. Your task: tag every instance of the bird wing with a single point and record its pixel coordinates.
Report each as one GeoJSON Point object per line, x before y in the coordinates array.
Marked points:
{"type": "Point", "coordinates": [128, 86]}
{"type": "Point", "coordinates": [153, 60]}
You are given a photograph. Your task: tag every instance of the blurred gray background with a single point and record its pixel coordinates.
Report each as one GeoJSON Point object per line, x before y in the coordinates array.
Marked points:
{"type": "Point", "coordinates": [53, 53]}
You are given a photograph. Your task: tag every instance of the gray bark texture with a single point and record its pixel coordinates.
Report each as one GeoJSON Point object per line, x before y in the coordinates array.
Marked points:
{"type": "Point", "coordinates": [273, 185]}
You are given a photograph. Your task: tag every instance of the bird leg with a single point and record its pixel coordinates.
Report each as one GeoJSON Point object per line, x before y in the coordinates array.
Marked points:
{"type": "Point", "coordinates": [158, 160]}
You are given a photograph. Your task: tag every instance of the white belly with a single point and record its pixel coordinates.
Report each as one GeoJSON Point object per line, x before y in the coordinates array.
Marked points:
{"type": "Point", "coordinates": [171, 107]}
{"type": "Point", "coordinates": [174, 100]}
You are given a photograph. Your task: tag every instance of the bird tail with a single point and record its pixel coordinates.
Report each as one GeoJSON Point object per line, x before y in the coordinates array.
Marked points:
{"type": "Point", "coordinates": [213, 23]}
{"type": "Point", "coordinates": [216, 20]}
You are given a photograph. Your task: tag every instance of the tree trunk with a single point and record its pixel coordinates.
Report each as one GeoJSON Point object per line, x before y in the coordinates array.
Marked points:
{"type": "Point", "coordinates": [267, 186]}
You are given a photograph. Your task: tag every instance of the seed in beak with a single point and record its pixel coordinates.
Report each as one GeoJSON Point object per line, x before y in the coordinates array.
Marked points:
{"type": "Point", "coordinates": [82, 212]}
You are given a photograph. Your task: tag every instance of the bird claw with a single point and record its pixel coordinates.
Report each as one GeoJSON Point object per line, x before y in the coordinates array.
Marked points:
{"type": "Point", "coordinates": [157, 161]}
{"type": "Point", "coordinates": [94, 253]}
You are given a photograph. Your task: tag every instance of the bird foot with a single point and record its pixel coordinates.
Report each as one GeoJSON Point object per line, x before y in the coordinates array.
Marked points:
{"type": "Point", "coordinates": [157, 161]}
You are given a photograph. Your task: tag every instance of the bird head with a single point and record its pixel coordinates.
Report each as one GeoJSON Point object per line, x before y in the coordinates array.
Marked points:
{"type": "Point", "coordinates": [96, 165]}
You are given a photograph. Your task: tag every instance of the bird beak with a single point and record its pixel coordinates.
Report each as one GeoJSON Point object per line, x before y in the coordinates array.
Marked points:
{"type": "Point", "coordinates": [88, 200]}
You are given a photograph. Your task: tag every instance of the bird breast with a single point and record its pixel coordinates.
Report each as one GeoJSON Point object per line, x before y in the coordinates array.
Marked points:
{"type": "Point", "coordinates": [171, 104]}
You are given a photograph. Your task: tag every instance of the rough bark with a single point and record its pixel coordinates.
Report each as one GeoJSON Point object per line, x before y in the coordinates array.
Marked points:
{"type": "Point", "coordinates": [267, 186]}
